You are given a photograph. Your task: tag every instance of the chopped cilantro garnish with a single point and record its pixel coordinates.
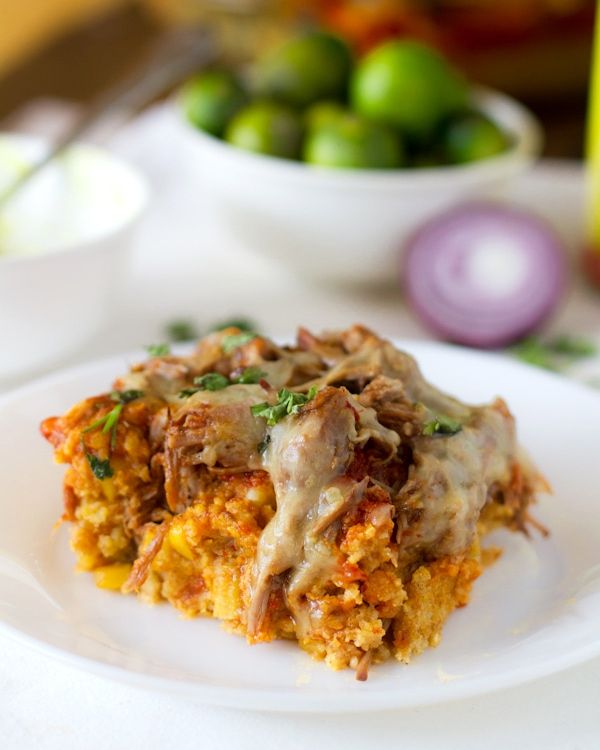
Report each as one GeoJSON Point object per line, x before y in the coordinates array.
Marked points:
{"type": "Point", "coordinates": [232, 342]}
{"type": "Point", "coordinates": [288, 402]}
{"type": "Point", "coordinates": [109, 423]}
{"type": "Point", "coordinates": [250, 376]}
{"type": "Point", "coordinates": [271, 413]}
{"type": "Point", "coordinates": [101, 422]}
{"type": "Point", "coordinates": [263, 445]}
{"type": "Point", "coordinates": [442, 425]}
{"type": "Point", "coordinates": [212, 381]}
{"type": "Point", "coordinates": [100, 467]}
{"type": "Point", "coordinates": [187, 392]}
{"type": "Point", "coordinates": [124, 397]}
{"type": "Point", "coordinates": [244, 324]}
{"type": "Point", "coordinates": [181, 330]}
{"type": "Point", "coordinates": [158, 350]}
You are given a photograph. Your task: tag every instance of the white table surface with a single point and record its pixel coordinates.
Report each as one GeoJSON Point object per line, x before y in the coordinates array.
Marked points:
{"type": "Point", "coordinates": [186, 267]}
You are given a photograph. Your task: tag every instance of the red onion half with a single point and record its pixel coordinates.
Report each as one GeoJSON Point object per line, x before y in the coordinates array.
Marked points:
{"type": "Point", "coordinates": [484, 274]}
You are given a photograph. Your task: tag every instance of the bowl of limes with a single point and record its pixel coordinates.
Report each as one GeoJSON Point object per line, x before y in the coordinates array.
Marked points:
{"type": "Point", "coordinates": [329, 163]}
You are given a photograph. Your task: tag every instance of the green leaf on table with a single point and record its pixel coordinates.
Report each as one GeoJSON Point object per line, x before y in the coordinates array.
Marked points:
{"type": "Point", "coordinates": [573, 346]}
{"type": "Point", "coordinates": [533, 351]}
{"type": "Point", "coordinates": [554, 354]}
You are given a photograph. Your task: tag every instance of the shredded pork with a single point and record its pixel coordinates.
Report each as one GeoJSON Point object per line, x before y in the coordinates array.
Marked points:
{"type": "Point", "coordinates": [358, 440]}
{"type": "Point", "coordinates": [368, 391]}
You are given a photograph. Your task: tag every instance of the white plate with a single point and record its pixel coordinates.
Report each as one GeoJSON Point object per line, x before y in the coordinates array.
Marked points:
{"type": "Point", "coordinates": [536, 611]}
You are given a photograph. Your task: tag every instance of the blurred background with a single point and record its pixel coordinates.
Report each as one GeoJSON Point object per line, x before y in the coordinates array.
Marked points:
{"type": "Point", "coordinates": [295, 240]}
{"type": "Point", "coordinates": [536, 50]}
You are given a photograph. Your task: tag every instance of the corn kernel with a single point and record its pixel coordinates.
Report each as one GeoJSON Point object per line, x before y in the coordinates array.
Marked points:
{"type": "Point", "coordinates": [255, 494]}
{"type": "Point", "coordinates": [108, 488]}
{"type": "Point", "coordinates": [178, 541]}
{"type": "Point", "coordinates": [86, 561]}
{"type": "Point", "coordinates": [113, 576]}
{"type": "Point", "coordinates": [259, 495]}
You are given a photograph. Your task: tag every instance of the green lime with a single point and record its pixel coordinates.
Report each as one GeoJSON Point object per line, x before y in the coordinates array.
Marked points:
{"type": "Point", "coordinates": [408, 86]}
{"type": "Point", "coordinates": [267, 128]}
{"type": "Point", "coordinates": [211, 99]}
{"type": "Point", "coordinates": [471, 137]}
{"type": "Point", "coordinates": [322, 113]}
{"type": "Point", "coordinates": [304, 70]}
{"type": "Point", "coordinates": [349, 141]}
{"type": "Point", "coordinates": [426, 159]}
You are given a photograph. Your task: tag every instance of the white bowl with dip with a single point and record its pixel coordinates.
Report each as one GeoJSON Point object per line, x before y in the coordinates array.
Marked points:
{"type": "Point", "coordinates": [64, 242]}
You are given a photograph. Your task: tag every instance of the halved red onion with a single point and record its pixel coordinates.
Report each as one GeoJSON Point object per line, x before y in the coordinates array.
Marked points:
{"type": "Point", "coordinates": [483, 274]}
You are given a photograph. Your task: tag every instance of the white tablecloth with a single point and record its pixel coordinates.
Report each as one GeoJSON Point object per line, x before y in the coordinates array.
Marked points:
{"type": "Point", "coordinates": [186, 267]}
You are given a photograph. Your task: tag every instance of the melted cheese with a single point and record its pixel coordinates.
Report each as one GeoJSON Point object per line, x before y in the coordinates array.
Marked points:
{"type": "Point", "coordinates": [449, 481]}
{"type": "Point", "coordinates": [305, 456]}
{"type": "Point", "coordinates": [309, 453]}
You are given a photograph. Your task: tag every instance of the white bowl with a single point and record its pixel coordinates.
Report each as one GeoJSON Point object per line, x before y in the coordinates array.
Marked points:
{"type": "Point", "coordinates": [350, 225]}
{"type": "Point", "coordinates": [64, 241]}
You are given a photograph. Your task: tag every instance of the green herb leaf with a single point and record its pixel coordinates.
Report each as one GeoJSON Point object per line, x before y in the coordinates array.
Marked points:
{"type": "Point", "coordinates": [110, 421]}
{"type": "Point", "coordinates": [110, 425]}
{"type": "Point", "coordinates": [112, 418]}
{"type": "Point", "coordinates": [288, 402]}
{"type": "Point", "coordinates": [555, 354]}
{"type": "Point", "coordinates": [187, 392]}
{"type": "Point", "coordinates": [263, 445]}
{"type": "Point", "coordinates": [534, 352]}
{"type": "Point", "coordinates": [96, 424]}
{"type": "Point", "coordinates": [250, 376]}
{"type": "Point", "coordinates": [124, 397]}
{"type": "Point", "coordinates": [244, 324]}
{"type": "Point", "coordinates": [181, 330]}
{"type": "Point", "coordinates": [442, 425]}
{"type": "Point", "coordinates": [158, 350]}
{"type": "Point", "coordinates": [573, 346]}
{"type": "Point", "coordinates": [232, 342]}
{"type": "Point", "coordinates": [212, 381]}
{"type": "Point", "coordinates": [271, 413]}
{"type": "Point", "coordinates": [100, 467]}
